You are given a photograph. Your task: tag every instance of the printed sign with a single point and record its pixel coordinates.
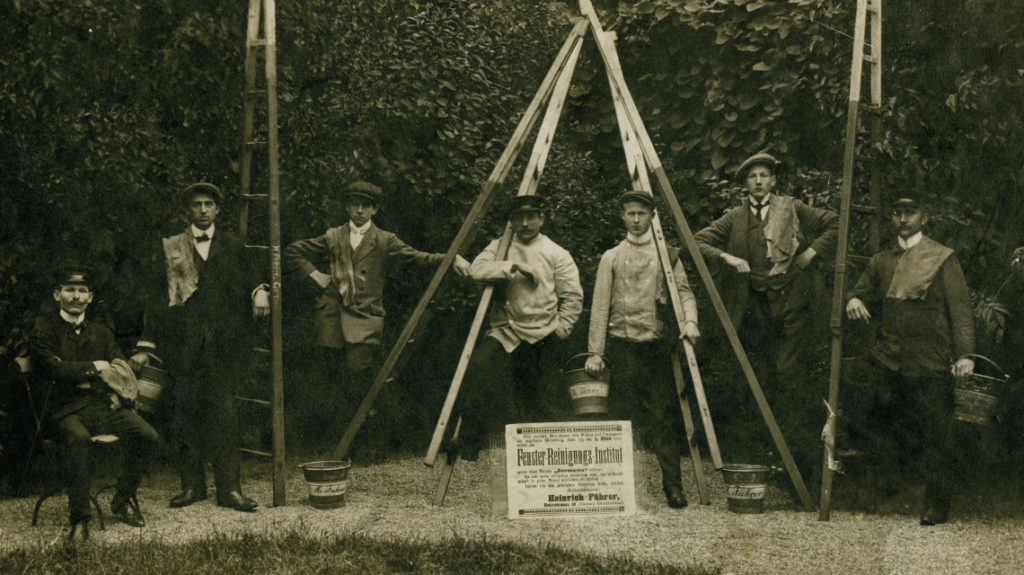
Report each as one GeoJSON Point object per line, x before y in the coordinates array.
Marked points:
{"type": "Point", "coordinates": [570, 469]}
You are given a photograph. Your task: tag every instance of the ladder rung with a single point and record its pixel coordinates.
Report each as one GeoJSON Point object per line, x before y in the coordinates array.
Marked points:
{"type": "Point", "coordinates": [258, 42]}
{"type": "Point", "coordinates": [872, 6]}
{"type": "Point", "coordinates": [869, 108]}
{"type": "Point", "coordinates": [261, 349]}
{"type": "Point", "coordinates": [253, 400]}
{"type": "Point", "coordinates": [861, 259]}
{"type": "Point", "coordinates": [256, 452]}
{"type": "Point", "coordinates": [252, 93]}
{"type": "Point", "coordinates": [871, 58]}
{"type": "Point", "coordinates": [257, 247]}
{"type": "Point", "coordinates": [862, 209]}
{"type": "Point", "coordinates": [254, 197]}
{"type": "Point", "coordinates": [255, 144]}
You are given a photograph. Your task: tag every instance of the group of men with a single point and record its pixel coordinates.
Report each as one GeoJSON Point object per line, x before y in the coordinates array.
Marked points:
{"type": "Point", "coordinates": [205, 291]}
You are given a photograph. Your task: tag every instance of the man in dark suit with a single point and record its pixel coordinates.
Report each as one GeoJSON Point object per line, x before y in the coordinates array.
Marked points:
{"type": "Point", "coordinates": [350, 307]}
{"type": "Point", "coordinates": [766, 244]}
{"type": "Point", "coordinates": [78, 358]}
{"type": "Point", "coordinates": [198, 322]}
{"type": "Point", "coordinates": [901, 398]}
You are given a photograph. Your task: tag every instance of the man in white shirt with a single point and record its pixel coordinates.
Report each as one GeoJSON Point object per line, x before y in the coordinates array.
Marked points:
{"type": "Point", "coordinates": [628, 327]}
{"type": "Point", "coordinates": [514, 368]}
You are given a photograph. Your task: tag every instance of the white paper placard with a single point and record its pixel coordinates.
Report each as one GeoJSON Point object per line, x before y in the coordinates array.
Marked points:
{"type": "Point", "coordinates": [570, 469]}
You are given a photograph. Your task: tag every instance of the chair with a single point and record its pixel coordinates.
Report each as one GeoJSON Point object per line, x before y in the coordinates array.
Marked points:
{"type": "Point", "coordinates": [57, 482]}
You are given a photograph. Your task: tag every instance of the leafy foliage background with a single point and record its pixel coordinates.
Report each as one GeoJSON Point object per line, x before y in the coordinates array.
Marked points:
{"type": "Point", "coordinates": [108, 108]}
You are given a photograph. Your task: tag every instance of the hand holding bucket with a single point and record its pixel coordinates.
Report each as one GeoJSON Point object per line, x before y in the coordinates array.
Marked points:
{"type": "Point", "coordinates": [588, 389]}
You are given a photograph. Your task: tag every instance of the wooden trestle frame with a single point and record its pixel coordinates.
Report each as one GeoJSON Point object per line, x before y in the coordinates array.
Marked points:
{"type": "Point", "coordinates": [640, 158]}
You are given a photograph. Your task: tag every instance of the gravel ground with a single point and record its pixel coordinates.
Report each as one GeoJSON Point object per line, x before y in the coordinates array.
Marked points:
{"type": "Point", "coordinates": [391, 500]}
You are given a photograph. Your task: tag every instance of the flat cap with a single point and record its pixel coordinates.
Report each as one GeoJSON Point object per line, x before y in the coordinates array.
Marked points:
{"type": "Point", "coordinates": [520, 204]}
{"type": "Point", "coordinates": [636, 196]}
{"type": "Point", "coordinates": [759, 159]}
{"type": "Point", "coordinates": [364, 190]}
{"type": "Point", "coordinates": [907, 198]}
{"type": "Point", "coordinates": [74, 274]}
{"type": "Point", "coordinates": [203, 188]}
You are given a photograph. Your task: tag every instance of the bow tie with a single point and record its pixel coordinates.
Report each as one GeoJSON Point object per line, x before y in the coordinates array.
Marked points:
{"type": "Point", "coordinates": [202, 238]}
{"type": "Point", "coordinates": [75, 326]}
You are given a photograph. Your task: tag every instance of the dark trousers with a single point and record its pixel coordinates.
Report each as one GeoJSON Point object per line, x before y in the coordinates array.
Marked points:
{"type": "Point", "coordinates": [349, 374]}
{"type": "Point", "coordinates": [501, 387]}
{"type": "Point", "coordinates": [206, 424]}
{"type": "Point", "coordinates": [642, 390]}
{"type": "Point", "coordinates": [138, 439]}
{"type": "Point", "coordinates": [906, 424]}
{"type": "Point", "coordinates": [776, 332]}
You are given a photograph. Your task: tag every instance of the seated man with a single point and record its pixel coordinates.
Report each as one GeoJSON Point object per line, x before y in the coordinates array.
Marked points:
{"type": "Point", "coordinates": [541, 303]}
{"type": "Point", "coordinates": [900, 401]}
{"type": "Point", "coordinates": [86, 365]}
{"type": "Point", "coordinates": [626, 327]}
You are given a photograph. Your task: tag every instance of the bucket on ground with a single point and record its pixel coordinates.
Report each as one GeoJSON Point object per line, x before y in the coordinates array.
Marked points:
{"type": "Point", "coordinates": [745, 485]}
{"type": "Point", "coordinates": [589, 394]}
{"type": "Point", "coordinates": [151, 383]}
{"type": "Point", "coordinates": [328, 482]}
{"type": "Point", "coordinates": [975, 396]}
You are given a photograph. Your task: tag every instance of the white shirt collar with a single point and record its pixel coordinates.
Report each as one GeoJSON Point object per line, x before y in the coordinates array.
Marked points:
{"type": "Point", "coordinates": [640, 240]}
{"type": "Point", "coordinates": [763, 202]}
{"type": "Point", "coordinates": [911, 241]}
{"type": "Point", "coordinates": [196, 232]}
{"type": "Point", "coordinates": [360, 229]}
{"type": "Point", "coordinates": [72, 319]}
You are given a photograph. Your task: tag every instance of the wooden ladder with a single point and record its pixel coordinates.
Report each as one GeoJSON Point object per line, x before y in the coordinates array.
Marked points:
{"type": "Point", "coordinates": [263, 12]}
{"type": "Point", "coordinates": [869, 12]}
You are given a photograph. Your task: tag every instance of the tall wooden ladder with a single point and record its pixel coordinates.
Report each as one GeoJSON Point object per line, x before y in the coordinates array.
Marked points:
{"type": "Point", "coordinates": [264, 140]}
{"type": "Point", "coordinates": [869, 13]}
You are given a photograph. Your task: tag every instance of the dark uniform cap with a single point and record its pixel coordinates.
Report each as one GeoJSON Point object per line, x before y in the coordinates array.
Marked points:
{"type": "Point", "coordinates": [519, 204]}
{"type": "Point", "coordinates": [364, 190]}
{"type": "Point", "coordinates": [203, 188]}
{"type": "Point", "coordinates": [636, 196]}
{"type": "Point", "coordinates": [74, 274]}
{"type": "Point", "coordinates": [908, 199]}
{"type": "Point", "coordinates": [759, 159]}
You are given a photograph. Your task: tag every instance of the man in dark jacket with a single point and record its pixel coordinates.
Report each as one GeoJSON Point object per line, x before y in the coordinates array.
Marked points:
{"type": "Point", "coordinates": [767, 244]}
{"type": "Point", "coordinates": [902, 400]}
{"type": "Point", "coordinates": [77, 358]}
{"type": "Point", "coordinates": [198, 322]}
{"type": "Point", "coordinates": [350, 306]}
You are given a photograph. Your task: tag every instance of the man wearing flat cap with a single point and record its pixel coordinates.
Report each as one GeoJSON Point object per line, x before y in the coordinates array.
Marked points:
{"type": "Point", "coordinates": [766, 245]}
{"type": "Point", "coordinates": [901, 400]}
{"type": "Point", "coordinates": [513, 369]}
{"type": "Point", "coordinates": [91, 394]}
{"type": "Point", "coordinates": [204, 293]}
{"type": "Point", "coordinates": [349, 318]}
{"type": "Point", "coordinates": [629, 328]}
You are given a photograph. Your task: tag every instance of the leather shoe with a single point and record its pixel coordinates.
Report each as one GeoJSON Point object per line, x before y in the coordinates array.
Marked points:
{"type": "Point", "coordinates": [188, 497]}
{"type": "Point", "coordinates": [237, 501]}
{"type": "Point", "coordinates": [79, 532]}
{"type": "Point", "coordinates": [674, 495]}
{"type": "Point", "coordinates": [126, 507]}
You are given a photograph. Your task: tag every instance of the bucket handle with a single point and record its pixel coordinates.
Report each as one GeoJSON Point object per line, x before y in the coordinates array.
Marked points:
{"type": "Point", "coordinates": [587, 354]}
{"type": "Point", "coordinates": [1005, 375]}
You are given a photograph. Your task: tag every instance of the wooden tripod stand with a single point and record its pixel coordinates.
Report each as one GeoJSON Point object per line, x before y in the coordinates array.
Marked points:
{"type": "Point", "coordinates": [641, 157]}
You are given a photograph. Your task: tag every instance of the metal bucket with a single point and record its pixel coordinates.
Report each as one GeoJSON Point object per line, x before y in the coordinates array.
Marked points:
{"type": "Point", "coordinates": [328, 482]}
{"type": "Point", "coordinates": [151, 383]}
{"type": "Point", "coordinates": [745, 485]}
{"type": "Point", "coordinates": [975, 396]}
{"type": "Point", "coordinates": [589, 395]}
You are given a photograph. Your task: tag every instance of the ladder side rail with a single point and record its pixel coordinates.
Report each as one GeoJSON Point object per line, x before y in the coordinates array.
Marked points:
{"type": "Point", "coordinates": [417, 321]}
{"type": "Point", "coordinates": [686, 237]}
{"type": "Point", "coordinates": [527, 187]}
{"type": "Point", "coordinates": [839, 289]}
{"type": "Point", "coordinates": [249, 110]}
{"type": "Point", "coordinates": [274, 217]}
{"type": "Point", "coordinates": [688, 427]}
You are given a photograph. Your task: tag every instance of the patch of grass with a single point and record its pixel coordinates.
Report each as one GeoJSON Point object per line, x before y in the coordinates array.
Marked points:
{"type": "Point", "coordinates": [297, 552]}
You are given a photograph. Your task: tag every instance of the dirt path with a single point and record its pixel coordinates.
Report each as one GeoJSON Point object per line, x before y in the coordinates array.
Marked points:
{"type": "Point", "coordinates": [391, 500]}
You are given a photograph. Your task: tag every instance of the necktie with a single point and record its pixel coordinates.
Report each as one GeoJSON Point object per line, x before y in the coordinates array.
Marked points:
{"type": "Point", "coordinates": [202, 238]}
{"type": "Point", "coordinates": [759, 209]}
